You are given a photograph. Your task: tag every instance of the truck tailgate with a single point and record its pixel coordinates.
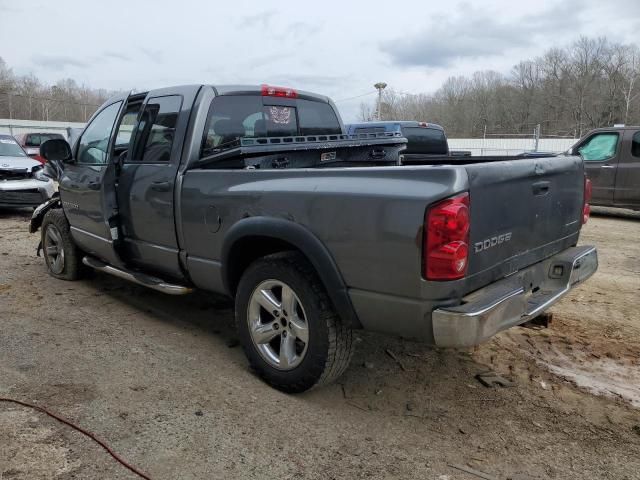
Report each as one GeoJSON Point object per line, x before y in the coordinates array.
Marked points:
{"type": "Point", "coordinates": [522, 211]}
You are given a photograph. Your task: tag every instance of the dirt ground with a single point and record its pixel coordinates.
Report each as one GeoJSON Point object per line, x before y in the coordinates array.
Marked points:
{"type": "Point", "coordinates": [162, 380]}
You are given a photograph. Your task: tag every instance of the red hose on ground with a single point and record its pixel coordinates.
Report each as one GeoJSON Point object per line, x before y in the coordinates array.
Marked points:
{"type": "Point", "coordinates": [81, 430]}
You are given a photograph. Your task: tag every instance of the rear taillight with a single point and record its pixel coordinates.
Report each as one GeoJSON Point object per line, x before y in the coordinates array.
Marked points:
{"type": "Point", "coordinates": [285, 92]}
{"type": "Point", "coordinates": [446, 239]}
{"type": "Point", "coordinates": [38, 157]}
{"type": "Point", "coordinates": [586, 209]}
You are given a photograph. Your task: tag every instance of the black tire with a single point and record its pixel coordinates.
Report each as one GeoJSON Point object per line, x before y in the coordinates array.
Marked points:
{"type": "Point", "coordinates": [330, 342]}
{"type": "Point", "coordinates": [55, 221]}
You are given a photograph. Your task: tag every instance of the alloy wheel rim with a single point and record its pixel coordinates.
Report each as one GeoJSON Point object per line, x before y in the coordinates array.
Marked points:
{"type": "Point", "coordinates": [278, 325]}
{"type": "Point", "coordinates": [53, 249]}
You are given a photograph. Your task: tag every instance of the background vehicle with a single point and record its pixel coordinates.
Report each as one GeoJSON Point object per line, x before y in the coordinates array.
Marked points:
{"type": "Point", "coordinates": [256, 193]}
{"type": "Point", "coordinates": [612, 162]}
{"type": "Point", "coordinates": [422, 138]}
{"type": "Point", "coordinates": [22, 181]}
{"type": "Point", "coordinates": [31, 142]}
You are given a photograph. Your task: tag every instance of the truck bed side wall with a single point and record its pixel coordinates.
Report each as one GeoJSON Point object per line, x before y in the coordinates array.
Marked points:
{"type": "Point", "coordinates": [369, 219]}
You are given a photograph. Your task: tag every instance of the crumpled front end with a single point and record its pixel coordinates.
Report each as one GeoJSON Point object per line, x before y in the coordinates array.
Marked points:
{"type": "Point", "coordinates": [24, 192]}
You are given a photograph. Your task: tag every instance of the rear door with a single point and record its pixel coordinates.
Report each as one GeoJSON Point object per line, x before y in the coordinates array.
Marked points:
{"type": "Point", "coordinates": [147, 182]}
{"type": "Point", "coordinates": [627, 191]}
{"type": "Point", "coordinates": [600, 152]}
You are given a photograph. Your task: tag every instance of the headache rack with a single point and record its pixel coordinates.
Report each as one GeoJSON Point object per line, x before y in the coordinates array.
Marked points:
{"type": "Point", "coordinates": [306, 151]}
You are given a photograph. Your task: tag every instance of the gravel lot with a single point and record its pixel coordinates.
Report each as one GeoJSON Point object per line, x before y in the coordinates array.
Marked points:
{"type": "Point", "coordinates": [162, 380]}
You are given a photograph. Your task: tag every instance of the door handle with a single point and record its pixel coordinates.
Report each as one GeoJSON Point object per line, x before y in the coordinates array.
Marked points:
{"type": "Point", "coordinates": [608, 166]}
{"type": "Point", "coordinates": [540, 188]}
{"type": "Point", "coordinates": [160, 186]}
{"type": "Point", "coordinates": [93, 185]}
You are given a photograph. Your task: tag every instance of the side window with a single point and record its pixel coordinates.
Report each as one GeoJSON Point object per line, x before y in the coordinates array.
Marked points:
{"type": "Point", "coordinates": [93, 145]}
{"type": "Point", "coordinates": [635, 145]}
{"type": "Point", "coordinates": [600, 147]}
{"type": "Point", "coordinates": [157, 129]}
{"type": "Point", "coordinates": [125, 129]}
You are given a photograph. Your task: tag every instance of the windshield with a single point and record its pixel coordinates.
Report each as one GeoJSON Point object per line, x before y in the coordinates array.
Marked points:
{"type": "Point", "coordinates": [10, 148]}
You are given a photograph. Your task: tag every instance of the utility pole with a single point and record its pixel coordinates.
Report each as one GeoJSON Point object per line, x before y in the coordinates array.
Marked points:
{"type": "Point", "coordinates": [536, 136]}
{"type": "Point", "coordinates": [380, 86]}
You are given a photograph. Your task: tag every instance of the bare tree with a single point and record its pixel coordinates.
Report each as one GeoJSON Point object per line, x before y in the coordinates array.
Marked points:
{"type": "Point", "coordinates": [28, 98]}
{"type": "Point", "coordinates": [591, 83]}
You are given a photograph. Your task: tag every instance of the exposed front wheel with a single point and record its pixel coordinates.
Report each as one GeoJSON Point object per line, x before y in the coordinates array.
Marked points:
{"type": "Point", "coordinates": [60, 253]}
{"type": "Point", "coordinates": [289, 330]}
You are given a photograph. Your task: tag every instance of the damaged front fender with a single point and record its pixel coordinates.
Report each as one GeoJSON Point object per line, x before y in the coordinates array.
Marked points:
{"type": "Point", "coordinates": [41, 210]}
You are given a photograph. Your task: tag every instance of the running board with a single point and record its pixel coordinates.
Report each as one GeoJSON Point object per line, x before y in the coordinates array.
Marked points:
{"type": "Point", "coordinates": [137, 277]}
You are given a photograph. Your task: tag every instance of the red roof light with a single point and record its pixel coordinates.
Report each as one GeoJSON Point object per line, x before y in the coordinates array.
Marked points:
{"type": "Point", "coordinates": [284, 92]}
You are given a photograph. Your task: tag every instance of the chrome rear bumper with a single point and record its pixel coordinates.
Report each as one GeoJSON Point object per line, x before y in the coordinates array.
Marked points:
{"type": "Point", "coordinates": [513, 300]}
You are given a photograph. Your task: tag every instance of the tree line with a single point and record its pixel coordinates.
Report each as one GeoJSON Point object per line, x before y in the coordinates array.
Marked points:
{"type": "Point", "coordinates": [28, 98]}
{"type": "Point", "coordinates": [567, 91]}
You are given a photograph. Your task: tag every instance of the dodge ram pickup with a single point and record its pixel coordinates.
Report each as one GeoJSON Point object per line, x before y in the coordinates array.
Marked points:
{"type": "Point", "coordinates": [257, 193]}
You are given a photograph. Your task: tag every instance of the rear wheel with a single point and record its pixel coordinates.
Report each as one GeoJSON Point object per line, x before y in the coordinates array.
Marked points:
{"type": "Point", "coordinates": [287, 325]}
{"type": "Point", "coordinates": [60, 253]}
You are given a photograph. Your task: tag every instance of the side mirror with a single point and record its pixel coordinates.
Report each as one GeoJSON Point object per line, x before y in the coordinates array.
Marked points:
{"type": "Point", "coordinates": [56, 150]}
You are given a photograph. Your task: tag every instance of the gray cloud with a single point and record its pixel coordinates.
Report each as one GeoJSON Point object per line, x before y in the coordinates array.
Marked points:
{"type": "Point", "coordinates": [57, 62]}
{"type": "Point", "coordinates": [116, 56]}
{"type": "Point", "coordinates": [477, 34]}
{"type": "Point", "coordinates": [155, 56]}
{"type": "Point", "coordinates": [304, 29]}
{"type": "Point", "coordinates": [309, 81]}
{"type": "Point", "coordinates": [262, 19]}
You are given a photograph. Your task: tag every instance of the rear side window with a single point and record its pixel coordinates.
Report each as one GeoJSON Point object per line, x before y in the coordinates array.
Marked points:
{"type": "Point", "coordinates": [157, 129]}
{"type": "Point", "coordinates": [600, 147]}
{"type": "Point", "coordinates": [232, 117]}
{"type": "Point", "coordinates": [425, 140]}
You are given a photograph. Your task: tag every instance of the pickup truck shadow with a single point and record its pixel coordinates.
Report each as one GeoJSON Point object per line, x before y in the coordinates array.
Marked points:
{"type": "Point", "coordinates": [387, 374]}
{"type": "Point", "coordinates": [615, 212]}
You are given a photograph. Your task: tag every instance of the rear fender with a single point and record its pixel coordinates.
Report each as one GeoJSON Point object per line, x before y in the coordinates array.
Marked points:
{"type": "Point", "coordinates": [303, 240]}
{"type": "Point", "coordinates": [41, 210]}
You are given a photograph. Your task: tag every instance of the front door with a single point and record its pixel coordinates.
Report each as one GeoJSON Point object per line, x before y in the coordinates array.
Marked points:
{"type": "Point", "coordinates": [600, 154]}
{"type": "Point", "coordinates": [146, 185]}
{"type": "Point", "coordinates": [81, 186]}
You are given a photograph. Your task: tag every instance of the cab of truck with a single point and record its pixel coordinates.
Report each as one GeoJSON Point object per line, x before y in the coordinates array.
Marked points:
{"type": "Point", "coordinates": [612, 161]}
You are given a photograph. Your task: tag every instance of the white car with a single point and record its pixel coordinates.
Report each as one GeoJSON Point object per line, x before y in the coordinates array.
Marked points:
{"type": "Point", "coordinates": [22, 180]}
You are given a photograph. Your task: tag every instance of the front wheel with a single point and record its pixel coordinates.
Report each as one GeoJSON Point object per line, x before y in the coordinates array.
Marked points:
{"type": "Point", "coordinates": [60, 252]}
{"type": "Point", "coordinates": [287, 325]}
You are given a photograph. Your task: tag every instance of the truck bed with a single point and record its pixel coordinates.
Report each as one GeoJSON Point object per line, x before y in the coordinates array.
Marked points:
{"type": "Point", "coordinates": [372, 218]}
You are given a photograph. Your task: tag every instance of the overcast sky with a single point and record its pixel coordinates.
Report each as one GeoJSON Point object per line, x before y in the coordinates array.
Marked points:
{"type": "Point", "coordinates": [339, 48]}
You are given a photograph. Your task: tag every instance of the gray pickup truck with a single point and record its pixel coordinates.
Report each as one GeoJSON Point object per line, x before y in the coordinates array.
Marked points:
{"type": "Point", "coordinates": [257, 193]}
